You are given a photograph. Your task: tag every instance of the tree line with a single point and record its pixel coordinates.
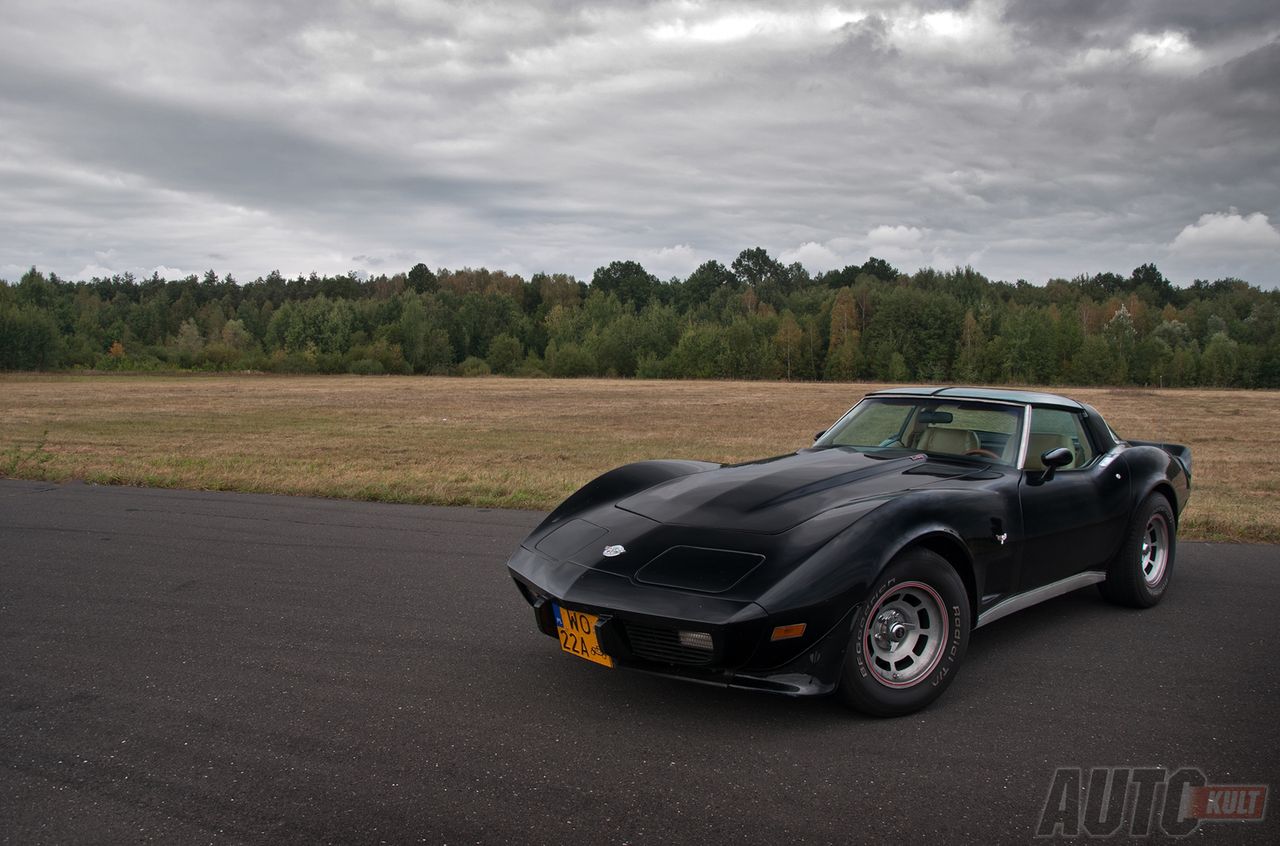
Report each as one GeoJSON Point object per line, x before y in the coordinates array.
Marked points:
{"type": "Point", "coordinates": [756, 318]}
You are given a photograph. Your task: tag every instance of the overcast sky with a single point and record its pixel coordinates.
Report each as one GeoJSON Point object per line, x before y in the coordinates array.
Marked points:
{"type": "Point", "coordinates": [1029, 138]}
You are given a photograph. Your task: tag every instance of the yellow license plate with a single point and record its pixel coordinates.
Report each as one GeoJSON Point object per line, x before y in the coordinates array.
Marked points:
{"type": "Point", "coordinates": [578, 635]}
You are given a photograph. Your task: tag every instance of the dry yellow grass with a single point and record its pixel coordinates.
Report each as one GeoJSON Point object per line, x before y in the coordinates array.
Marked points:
{"type": "Point", "coordinates": [528, 443]}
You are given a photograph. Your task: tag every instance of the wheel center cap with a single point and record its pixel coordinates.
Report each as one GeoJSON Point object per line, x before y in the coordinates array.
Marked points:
{"type": "Point", "coordinates": [890, 629]}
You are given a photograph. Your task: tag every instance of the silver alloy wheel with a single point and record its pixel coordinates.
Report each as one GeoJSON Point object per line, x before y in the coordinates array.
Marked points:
{"type": "Point", "coordinates": [906, 634]}
{"type": "Point", "coordinates": [1155, 549]}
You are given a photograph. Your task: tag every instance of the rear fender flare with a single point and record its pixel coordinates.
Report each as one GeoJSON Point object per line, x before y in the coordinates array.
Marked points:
{"type": "Point", "coordinates": [1151, 472]}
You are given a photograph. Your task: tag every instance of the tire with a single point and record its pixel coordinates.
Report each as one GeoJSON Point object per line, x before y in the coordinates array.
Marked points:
{"type": "Point", "coordinates": [1139, 574]}
{"type": "Point", "coordinates": [889, 672]}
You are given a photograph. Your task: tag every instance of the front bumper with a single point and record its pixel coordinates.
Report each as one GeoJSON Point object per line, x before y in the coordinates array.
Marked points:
{"type": "Point", "coordinates": [639, 626]}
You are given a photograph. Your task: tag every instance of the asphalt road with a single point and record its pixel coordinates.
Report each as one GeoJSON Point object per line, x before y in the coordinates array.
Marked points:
{"type": "Point", "coordinates": [186, 667]}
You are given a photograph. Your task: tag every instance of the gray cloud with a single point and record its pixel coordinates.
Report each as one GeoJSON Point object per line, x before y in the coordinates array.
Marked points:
{"type": "Point", "coordinates": [1030, 138]}
{"type": "Point", "coordinates": [1114, 21]}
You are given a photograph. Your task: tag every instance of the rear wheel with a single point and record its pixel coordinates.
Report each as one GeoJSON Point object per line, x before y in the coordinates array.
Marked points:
{"type": "Point", "coordinates": [1139, 574]}
{"type": "Point", "coordinates": [908, 638]}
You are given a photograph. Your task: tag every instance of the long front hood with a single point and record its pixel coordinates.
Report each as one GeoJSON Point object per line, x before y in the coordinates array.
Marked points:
{"type": "Point", "coordinates": [775, 494]}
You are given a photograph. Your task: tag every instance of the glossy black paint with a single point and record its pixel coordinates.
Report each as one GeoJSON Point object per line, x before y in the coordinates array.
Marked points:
{"type": "Point", "coordinates": [814, 529]}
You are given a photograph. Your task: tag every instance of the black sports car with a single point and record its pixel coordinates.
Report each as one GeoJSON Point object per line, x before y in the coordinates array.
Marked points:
{"type": "Point", "coordinates": [859, 564]}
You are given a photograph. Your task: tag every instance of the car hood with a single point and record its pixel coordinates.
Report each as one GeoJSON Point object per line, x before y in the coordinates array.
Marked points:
{"type": "Point", "coordinates": [776, 494]}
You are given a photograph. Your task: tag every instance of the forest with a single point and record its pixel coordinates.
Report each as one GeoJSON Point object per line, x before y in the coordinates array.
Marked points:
{"type": "Point", "coordinates": [756, 318]}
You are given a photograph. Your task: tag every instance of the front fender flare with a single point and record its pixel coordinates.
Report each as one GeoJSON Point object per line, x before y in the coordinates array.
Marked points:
{"type": "Point", "coordinates": [848, 564]}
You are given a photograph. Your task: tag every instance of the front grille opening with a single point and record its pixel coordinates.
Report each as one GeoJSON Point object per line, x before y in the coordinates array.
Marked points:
{"type": "Point", "coordinates": [670, 646]}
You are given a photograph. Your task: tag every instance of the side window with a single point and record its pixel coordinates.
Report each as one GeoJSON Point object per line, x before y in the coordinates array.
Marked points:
{"type": "Point", "coordinates": [1052, 428]}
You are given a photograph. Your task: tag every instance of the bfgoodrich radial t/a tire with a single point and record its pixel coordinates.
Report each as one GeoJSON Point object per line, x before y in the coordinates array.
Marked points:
{"type": "Point", "coordinates": [1139, 574]}
{"type": "Point", "coordinates": [908, 637]}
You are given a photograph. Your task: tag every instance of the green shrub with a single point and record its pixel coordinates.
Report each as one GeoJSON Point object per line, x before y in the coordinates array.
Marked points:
{"type": "Point", "coordinates": [504, 354]}
{"type": "Point", "coordinates": [366, 367]}
{"type": "Point", "coordinates": [652, 367]}
{"type": "Point", "coordinates": [219, 356]}
{"type": "Point", "coordinates": [291, 362]}
{"type": "Point", "coordinates": [569, 360]}
{"type": "Point", "coordinates": [387, 355]}
{"type": "Point", "coordinates": [472, 366]}
{"type": "Point", "coordinates": [531, 368]}
{"type": "Point", "coordinates": [29, 339]}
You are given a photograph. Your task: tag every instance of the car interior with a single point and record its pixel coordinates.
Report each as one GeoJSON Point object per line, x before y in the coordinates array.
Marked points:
{"type": "Point", "coordinates": [957, 430]}
{"type": "Point", "coordinates": [971, 430]}
{"type": "Point", "coordinates": [1041, 442]}
{"type": "Point", "coordinates": [954, 441]}
{"type": "Point", "coordinates": [941, 434]}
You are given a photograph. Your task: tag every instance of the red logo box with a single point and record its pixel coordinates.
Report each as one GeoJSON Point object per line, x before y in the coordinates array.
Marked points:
{"type": "Point", "coordinates": [1227, 802]}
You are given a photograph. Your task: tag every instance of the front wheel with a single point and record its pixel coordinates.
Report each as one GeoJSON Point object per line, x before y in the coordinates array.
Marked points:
{"type": "Point", "coordinates": [908, 637]}
{"type": "Point", "coordinates": [1139, 574]}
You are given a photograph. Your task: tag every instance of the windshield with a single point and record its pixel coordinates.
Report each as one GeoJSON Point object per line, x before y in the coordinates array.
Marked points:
{"type": "Point", "coordinates": [983, 430]}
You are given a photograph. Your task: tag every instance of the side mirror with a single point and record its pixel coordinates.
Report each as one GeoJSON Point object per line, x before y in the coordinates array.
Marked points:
{"type": "Point", "coordinates": [1055, 458]}
{"type": "Point", "coordinates": [820, 434]}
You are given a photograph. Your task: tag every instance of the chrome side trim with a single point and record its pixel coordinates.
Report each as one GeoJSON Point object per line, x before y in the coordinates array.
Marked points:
{"type": "Point", "coordinates": [1026, 438]}
{"type": "Point", "coordinates": [1038, 595]}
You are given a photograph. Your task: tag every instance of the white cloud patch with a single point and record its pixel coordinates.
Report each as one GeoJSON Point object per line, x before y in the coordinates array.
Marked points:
{"type": "Point", "coordinates": [708, 25]}
{"type": "Point", "coordinates": [815, 257]}
{"type": "Point", "coordinates": [1225, 232]}
{"type": "Point", "coordinates": [907, 247]}
{"type": "Point", "coordinates": [1169, 50]}
{"type": "Point", "coordinates": [974, 34]}
{"type": "Point", "coordinates": [679, 260]}
{"type": "Point", "coordinates": [899, 237]}
{"type": "Point", "coordinates": [89, 271]}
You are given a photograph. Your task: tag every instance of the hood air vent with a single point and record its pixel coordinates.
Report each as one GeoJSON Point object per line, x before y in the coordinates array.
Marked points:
{"type": "Point", "coordinates": [699, 569]}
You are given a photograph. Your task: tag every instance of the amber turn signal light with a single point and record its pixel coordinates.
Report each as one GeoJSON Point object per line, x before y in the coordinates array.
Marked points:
{"type": "Point", "coordinates": [788, 632]}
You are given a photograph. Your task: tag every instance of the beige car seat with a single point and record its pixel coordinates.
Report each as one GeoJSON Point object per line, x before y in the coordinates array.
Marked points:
{"type": "Point", "coordinates": [950, 441]}
{"type": "Point", "coordinates": [1042, 442]}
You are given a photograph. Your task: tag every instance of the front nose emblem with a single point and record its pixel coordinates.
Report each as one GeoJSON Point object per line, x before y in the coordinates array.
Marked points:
{"type": "Point", "coordinates": [614, 551]}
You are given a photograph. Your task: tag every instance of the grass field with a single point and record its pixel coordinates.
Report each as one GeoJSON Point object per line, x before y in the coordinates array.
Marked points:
{"type": "Point", "coordinates": [528, 443]}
